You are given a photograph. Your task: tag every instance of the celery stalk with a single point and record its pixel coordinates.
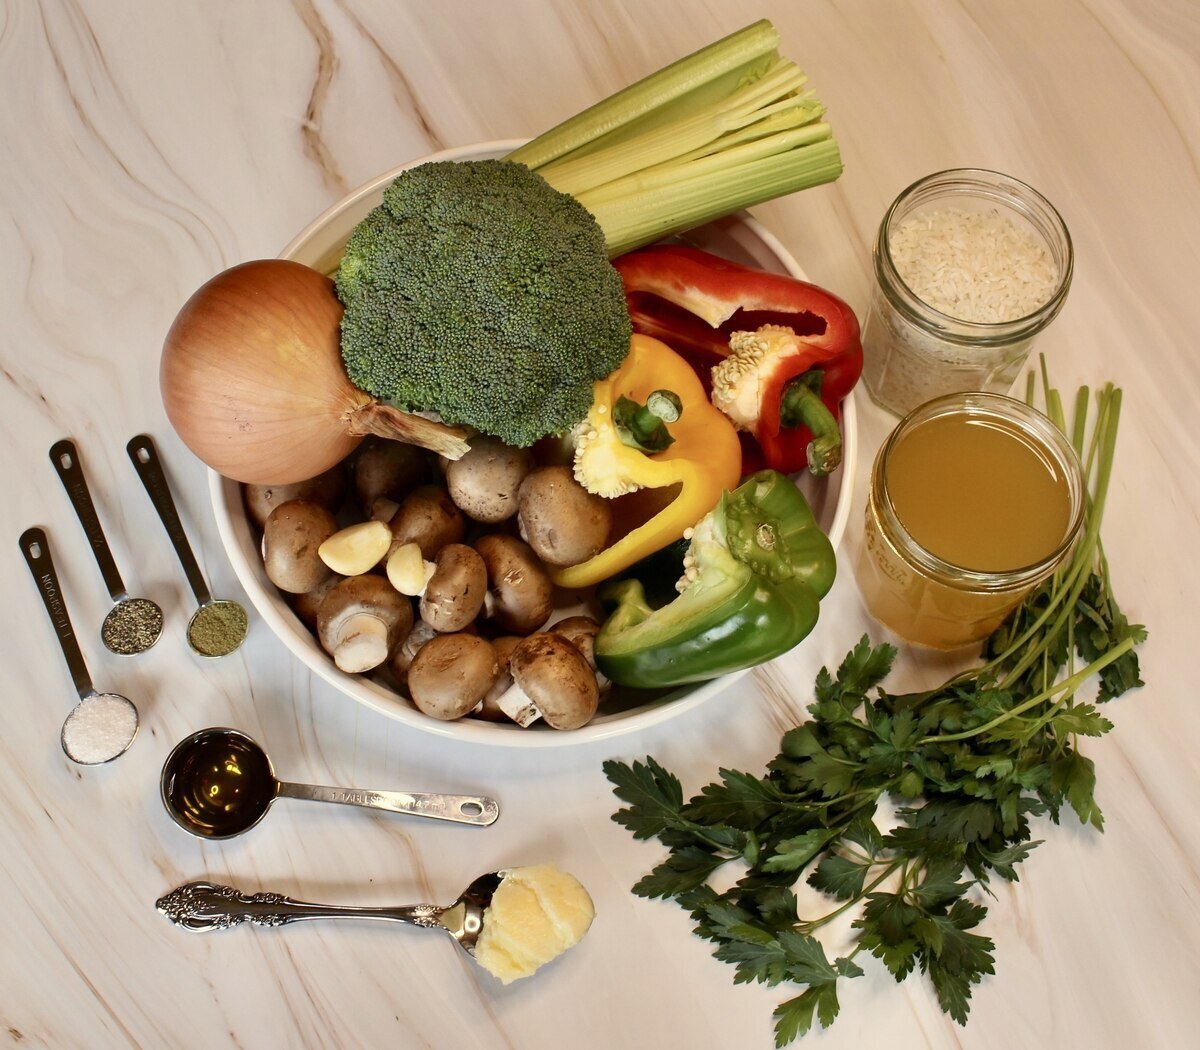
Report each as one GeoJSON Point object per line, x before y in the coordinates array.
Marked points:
{"type": "Point", "coordinates": [725, 128]}
{"type": "Point", "coordinates": [733, 54]}
{"type": "Point", "coordinates": [775, 93]}
{"type": "Point", "coordinates": [631, 219]}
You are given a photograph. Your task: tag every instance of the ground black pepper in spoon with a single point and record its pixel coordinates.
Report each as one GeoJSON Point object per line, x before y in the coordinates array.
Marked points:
{"type": "Point", "coordinates": [218, 626]}
{"type": "Point", "coordinates": [132, 624]}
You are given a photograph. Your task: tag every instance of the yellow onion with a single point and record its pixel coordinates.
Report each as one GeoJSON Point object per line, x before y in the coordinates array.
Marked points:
{"type": "Point", "coordinates": [253, 382]}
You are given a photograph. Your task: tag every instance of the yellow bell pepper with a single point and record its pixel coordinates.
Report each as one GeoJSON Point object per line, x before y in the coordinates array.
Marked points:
{"type": "Point", "coordinates": [704, 458]}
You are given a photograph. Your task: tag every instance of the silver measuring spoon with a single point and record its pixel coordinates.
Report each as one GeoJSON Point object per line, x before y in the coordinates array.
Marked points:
{"type": "Point", "coordinates": [132, 624]}
{"type": "Point", "coordinates": [218, 626]}
{"type": "Point", "coordinates": [218, 783]}
{"type": "Point", "coordinates": [102, 725]}
{"type": "Point", "coordinates": [204, 906]}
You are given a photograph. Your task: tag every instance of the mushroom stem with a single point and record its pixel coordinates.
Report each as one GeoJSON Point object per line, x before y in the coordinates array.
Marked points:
{"type": "Point", "coordinates": [362, 643]}
{"type": "Point", "coordinates": [518, 705]}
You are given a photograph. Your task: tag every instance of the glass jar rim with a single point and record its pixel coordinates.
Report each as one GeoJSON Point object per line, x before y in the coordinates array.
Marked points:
{"type": "Point", "coordinates": [1014, 194]}
{"type": "Point", "coordinates": [1033, 423]}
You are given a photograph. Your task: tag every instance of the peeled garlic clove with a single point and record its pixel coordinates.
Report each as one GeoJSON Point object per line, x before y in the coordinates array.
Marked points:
{"type": "Point", "coordinates": [407, 571]}
{"type": "Point", "coordinates": [356, 549]}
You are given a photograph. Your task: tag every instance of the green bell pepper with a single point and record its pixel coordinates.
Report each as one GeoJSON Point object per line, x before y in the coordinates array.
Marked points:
{"type": "Point", "coordinates": [754, 574]}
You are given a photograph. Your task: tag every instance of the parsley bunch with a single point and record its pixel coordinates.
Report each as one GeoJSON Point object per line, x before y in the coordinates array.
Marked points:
{"type": "Point", "coordinates": [967, 766]}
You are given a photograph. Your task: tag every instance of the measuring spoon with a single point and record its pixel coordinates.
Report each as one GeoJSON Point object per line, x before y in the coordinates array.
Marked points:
{"type": "Point", "coordinates": [102, 725]}
{"type": "Point", "coordinates": [132, 624]}
{"type": "Point", "coordinates": [218, 626]}
{"type": "Point", "coordinates": [218, 783]}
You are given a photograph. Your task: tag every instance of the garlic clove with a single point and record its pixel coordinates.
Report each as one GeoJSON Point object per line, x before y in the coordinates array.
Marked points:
{"type": "Point", "coordinates": [356, 549]}
{"type": "Point", "coordinates": [407, 571]}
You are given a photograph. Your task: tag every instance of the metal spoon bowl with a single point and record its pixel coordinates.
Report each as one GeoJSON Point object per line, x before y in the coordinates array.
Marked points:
{"type": "Point", "coordinates": [102, 725]}
{"type": "Point", "coordinates": [132, 625]}
{"type": "Point", "coordinates": [204, 906]}
{"type": "Point", "coordinates": [219, 783]}
{"type": "Point", "coordinates": [218, 626]}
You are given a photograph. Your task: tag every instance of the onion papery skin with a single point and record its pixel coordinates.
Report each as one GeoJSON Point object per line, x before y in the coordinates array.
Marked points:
{"type": "Point", "coordinates": [252, 376]}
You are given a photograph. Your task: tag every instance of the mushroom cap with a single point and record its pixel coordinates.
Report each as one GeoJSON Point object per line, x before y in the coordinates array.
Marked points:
{"type": "Point", "coordinates": [325, 489]}
{"type": "Point", "coordinates": [455, 592]}
{"type": "Point", "coordinates": [522, 594]}
{"type": "Point", "coordinates": [292, 536]}
{"type": "Point", "coordinates": [484, 482]}
{"type": "Point", "coordinates": [428, 518]}
{"type": "Point", "coordinates": [450, 674]}
{"type": "Point", "coordinates": [555, 676]}
{"type": "Point", "coordinates": [563, 522]}
{"type": "Point", "coordinates": [386, 469]}
{"type": "Point", "coordinates": [581, 632]}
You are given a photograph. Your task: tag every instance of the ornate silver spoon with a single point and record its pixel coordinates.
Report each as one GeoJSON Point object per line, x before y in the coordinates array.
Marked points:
{"type": "Point", "coordinates": [205, 906]}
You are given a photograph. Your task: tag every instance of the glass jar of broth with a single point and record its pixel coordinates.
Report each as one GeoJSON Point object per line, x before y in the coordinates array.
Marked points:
{"type": "Point", "coordinates": [975, 499]}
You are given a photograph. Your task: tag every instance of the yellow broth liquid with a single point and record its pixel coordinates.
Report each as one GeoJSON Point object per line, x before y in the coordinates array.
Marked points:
{"type": "Point", "coordinates": [978, 493]}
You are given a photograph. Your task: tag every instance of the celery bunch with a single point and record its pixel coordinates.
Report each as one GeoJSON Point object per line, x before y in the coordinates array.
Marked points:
{"type": "Point", "coordinates": [725, 128]}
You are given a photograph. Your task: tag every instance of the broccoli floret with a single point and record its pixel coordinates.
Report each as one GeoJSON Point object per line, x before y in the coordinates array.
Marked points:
{"type": "Point", "coordinates": [478, 291]}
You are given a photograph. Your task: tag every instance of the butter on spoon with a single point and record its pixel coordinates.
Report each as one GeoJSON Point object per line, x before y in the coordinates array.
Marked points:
{"type": "Point", "coordinates": [511, 922]}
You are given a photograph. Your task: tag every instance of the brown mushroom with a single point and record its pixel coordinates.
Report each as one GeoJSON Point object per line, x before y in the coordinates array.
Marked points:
{"type": "Point", "coordinates": [454, 594]}
{"type": "Point", "coordinates": [563, 522]}
{"type": "Point", "coordinates": [520, 594]}
{"type": "Point", "coordinates": [489, 709]}
{"type": "Point", "coordinates": [291, 539]}
{"type": "Point", "coordinates": [325, 489]}
{"type": "Point", "coordinates": [305, 605]}
{"type": "Point", "coordinates": [385, 472]}
{"type": "Point", "coordinates": [450, 675]}
{"type": "Point", "coordinates": [484, 483]}
{"type": "Point", "coordinates": [428, 518]}
{"type": "Point", "coordinates": [360, 621]}
{"type": "Point", "coordinates": [581, 632]}
{"type": "Point", "coordinates": [404, 654]}
{"type": "Point", "coordinates": [551, 680]}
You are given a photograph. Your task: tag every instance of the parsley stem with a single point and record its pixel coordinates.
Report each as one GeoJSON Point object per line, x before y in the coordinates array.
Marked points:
{"type": "Point", "coordinates": [810, 925]}
{"type": "Point", "coordinates": [1067, 686]}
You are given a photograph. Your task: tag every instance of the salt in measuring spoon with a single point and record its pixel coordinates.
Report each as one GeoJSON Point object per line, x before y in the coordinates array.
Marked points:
{"type": "Point", "coordinates": [102, 725]}
{"type": "Point", "coordinates": [218, 626]}
{"type": "Point", "coordinates": [132, 625]}
{"type": "Point", "coordinates": [218, 783]}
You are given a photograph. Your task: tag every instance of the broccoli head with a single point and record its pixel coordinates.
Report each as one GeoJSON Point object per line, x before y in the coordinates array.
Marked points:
{"type": "Point", "coordinates": [478, 291]}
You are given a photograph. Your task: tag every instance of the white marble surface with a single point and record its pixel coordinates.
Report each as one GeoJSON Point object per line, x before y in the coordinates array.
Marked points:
{"type": "Point", "coordinates": [148, 144]}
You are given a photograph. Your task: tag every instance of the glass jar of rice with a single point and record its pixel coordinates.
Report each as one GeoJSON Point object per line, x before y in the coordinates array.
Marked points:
{"type": "Point", "coordinates": [970, 265]}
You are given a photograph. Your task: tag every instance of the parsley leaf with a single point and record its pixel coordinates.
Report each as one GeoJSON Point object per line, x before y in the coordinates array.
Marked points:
{"type": "Point", "coordinates": [966, 767]}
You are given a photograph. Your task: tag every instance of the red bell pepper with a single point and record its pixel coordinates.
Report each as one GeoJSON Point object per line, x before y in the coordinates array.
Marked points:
{"type": "Point", "coordinates": [781, 353]}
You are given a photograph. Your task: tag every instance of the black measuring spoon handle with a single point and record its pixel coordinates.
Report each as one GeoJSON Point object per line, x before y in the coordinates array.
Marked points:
{"type": "Point", "coordinates": [65, 457]}
{"type": "Point", "coordinates": [144, 457]}
{"type": "Point", "coordinates": [36, 549]}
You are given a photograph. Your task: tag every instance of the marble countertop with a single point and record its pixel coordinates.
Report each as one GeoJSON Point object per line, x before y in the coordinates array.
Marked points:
{"type": "Point", "coordinates": [149, 144]}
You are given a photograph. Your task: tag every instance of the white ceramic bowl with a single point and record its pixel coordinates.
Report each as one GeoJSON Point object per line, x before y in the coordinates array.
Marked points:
{"type": "Point", "coordinates": [320, 246]}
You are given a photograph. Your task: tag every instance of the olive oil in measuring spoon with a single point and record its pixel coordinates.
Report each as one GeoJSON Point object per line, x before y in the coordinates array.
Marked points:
{"type": "Point", "coordinates": [978, 493]}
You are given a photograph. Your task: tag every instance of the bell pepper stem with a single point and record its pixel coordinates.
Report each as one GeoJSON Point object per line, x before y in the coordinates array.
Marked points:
{"type": "Point", "coordinates": [802, 406]}
{"type": "Point", "coordinates": [644, 427]}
